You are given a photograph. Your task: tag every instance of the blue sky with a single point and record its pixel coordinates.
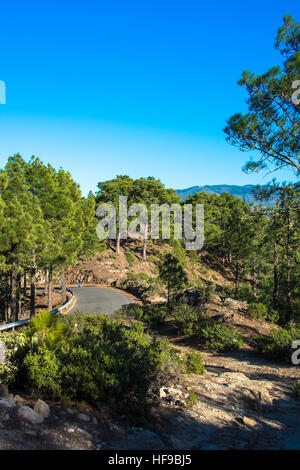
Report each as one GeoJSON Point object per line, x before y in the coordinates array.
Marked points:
{"type": "Point", "coordinates": [138, 87]}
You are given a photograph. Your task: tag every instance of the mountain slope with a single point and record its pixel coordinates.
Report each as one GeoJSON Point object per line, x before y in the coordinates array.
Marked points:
{"type": "Point", "coordinates": [244, 192]}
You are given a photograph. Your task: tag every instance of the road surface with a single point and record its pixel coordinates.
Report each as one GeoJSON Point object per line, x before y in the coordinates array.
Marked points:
{"type": "Point", "coordinates": [98, 300]}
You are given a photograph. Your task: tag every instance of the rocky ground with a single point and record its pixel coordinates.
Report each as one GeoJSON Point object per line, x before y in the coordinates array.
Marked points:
{"type": "Point", "coordinates": [243, 402]}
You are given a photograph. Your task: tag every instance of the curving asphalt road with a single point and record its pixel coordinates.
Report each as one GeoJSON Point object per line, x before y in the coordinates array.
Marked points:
{"type": "Point", "coordinates": [98, 300]}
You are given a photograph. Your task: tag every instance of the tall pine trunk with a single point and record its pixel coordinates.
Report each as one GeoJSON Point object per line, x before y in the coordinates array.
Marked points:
{"type": "Point", "coordinates": [237, 277]}
{"type": "Point", "coordinates": [50, 289]}
{"type": "Point", "coordinates": [255, 278]}
{"type": "Point", "coordinates": [288, 267]}
{"type": "Point", "coordinates": [24, 283]}
{"type": "Point", "coordinates": [63, 286]}
{"type": "Point", "coordinates": [7, 300]}
{"type": "Point", "coordinates": [275, 272]}
{"type": "Point", "coordinates": [46, 284]}
{"type": "Point", "coordinates": [145, 243]}
{"type": "Point", "coordinates": [19, 296]}
{"type": "Point", "coordinates": [118, 242]}
{"type": "Point", "coordinates": [13, 294]}
{"type": "Point", "coordinates": [32, 292]}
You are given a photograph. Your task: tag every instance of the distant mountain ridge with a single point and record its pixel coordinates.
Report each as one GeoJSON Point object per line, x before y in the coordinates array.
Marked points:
{"type": "Point", "coordinates": [244, 192]}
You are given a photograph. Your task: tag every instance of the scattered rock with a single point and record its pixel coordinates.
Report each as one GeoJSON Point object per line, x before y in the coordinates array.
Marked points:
{"type": "Point", "coordinates": [7, 403]}
{"type": "Point", "coordinates": [163, 392]}
{"type": "Point", "coordinates": [190, 414]}
{"type": "Point", "coordinates": [249, 422]}
{"type": "Point", "coordinates": [42, 408]}
{"type": "Point", "coordinates": [70, 430]}
{"type": "Point", "coordinates": [28, 414]}
{"type": "Point", "coordinates": [19, 400]}
{"type": "Point", "coordinates": [94, 419]}
{"type": "Point", "coordinates": [83, 417]}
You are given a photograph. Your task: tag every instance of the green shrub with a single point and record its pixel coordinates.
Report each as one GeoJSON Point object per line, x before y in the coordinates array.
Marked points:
{"type": "Point", "coordinates": [141, 285]}
{"type": "Point", "coordinates": [43, 372]}
{"type": "Point", "coordinates": [245, 292]}
{"type": "Point", "coordinates": [194, 363]}
{"type": "Point", "coordinates": [191, 400]}
{"type": "Point", "coordinates": [257, 310]}
{"type": "Point", "coordinates": [188, 318]}
{"type": "Point", "coordinates": [16, 348]}
{"type": "Point", "coordinates": [277, 345]}
{"type": "Point", "coordinates": [154, 315]}
{"type": "Point", "coordinates": [96, 359]}
{"type": "Point", "coordinates": [194, 257]}
{"type": "Point", "coordinates": [152, 259]}
{"type": "Point", "coordinates": [273, 316]}
{"type": "Point", "coordinates": [130, 257]}
{"type": "Point", "coordinates": [297, 389]}
{"type": "Point", "coordinates": [217, 337]}
{"type": "Point", "coordinates": [212, 335]}
{"type": "Point", "coordinates": [135, 311]}
{"type": "Point", "coordinates": [260, 311]}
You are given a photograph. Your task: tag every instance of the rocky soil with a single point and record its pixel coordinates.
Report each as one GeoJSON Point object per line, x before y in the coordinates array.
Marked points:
{"type": "Point", "coordinates": [243, 402]}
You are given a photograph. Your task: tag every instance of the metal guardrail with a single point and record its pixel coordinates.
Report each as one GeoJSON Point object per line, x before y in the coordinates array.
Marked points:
{"type": "Point", "coordinates": [16, 324]}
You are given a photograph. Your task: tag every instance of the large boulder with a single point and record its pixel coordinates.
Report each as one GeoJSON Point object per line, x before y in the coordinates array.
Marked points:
{"type": "Point", "coordinates": [41, 408]}
{"type": "Point", "coordinates": [28, 414]}
{"type": "Point", "coordinates": [7, 403]}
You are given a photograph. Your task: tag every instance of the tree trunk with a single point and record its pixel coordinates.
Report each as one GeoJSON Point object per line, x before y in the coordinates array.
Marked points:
{"type": "Point", "coordinates": [7, 300]}
{"type": "Point", "coordinates": [288, 267]}
{"type": "Point", "coordinates": [145, 243]}
{"type": "Point", "coordinates": [19, 295]}
{"type": "Point", "coordinates": [275, 272]}
{"type": "Point", "coordinates": [13, 294]}
{"type": "Point", "coordinates": [255, 278]}
{"type": "Point", "coordinates": [50, 289]}
{"type": "Point", "coordinates": [237, 276]}
{"type": "Point", "coordinates": [24, 284]}
{"type": "Point", "coordinates": [63, 286]}
{"type": "Point", "coordinates": [118, 242]}
{"type": "Point", "coordinates": [32, 292]}
{"type": "Point", "coordinates": [46, 285]}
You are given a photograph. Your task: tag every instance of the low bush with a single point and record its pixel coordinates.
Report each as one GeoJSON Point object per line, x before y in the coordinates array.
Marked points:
{"type": "Point", "coordinates": [191, 400]}
{"type": "Point", "coordinates": [257, 310]}
{"type": "Point", "coordinates": [297, 389]}
{"type": "Point", "coordinates": [212, 335]}
{"type": "Point", "coordinates": [194, 363]}
{"type": "Point", "coordinates": [217, 337]}
{"type": "Point", "coordinates": [141, 285]}
{"type": "Point", "coordinates": [95, 359]}
{"type": "Point", "coordinates": [277, 345]}
{"type": "Point", "coordinates": [130, 257]}
{"type": "Point", "coordinates": [16, 347]}
{"type": "Point", "coordinates": [154, 315]}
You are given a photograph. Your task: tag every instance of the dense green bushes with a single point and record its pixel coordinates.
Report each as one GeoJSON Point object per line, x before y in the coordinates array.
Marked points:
{"type": "Point", "coordinates": [90, 358]}
{"type": "Point", "coordinates": [194, 363]}
{"type": "Point", "coordinates": [211, 334]}
{"type": "Point", "coordinates": [277, 345]}
{"type": "Point", "coordinates": [260, 311]}
{"type": "Point", "coordinates": [154, 315]}
{"type": "Point", "coordinates": [130, 257]}
{"type": "Point", "coordinates": [141, 285]}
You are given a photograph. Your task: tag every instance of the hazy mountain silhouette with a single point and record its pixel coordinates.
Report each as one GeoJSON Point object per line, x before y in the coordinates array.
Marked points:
{"type": "Point", "coordinates": [244, 192]}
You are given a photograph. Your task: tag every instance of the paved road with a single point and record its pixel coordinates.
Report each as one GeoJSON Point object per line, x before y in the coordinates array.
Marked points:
{"type": "Point", "coordinates": [98, 300]}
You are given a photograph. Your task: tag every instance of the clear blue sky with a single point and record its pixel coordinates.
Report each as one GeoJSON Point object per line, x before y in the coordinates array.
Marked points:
{"type": "Point", "coordinates": [133, 87]}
